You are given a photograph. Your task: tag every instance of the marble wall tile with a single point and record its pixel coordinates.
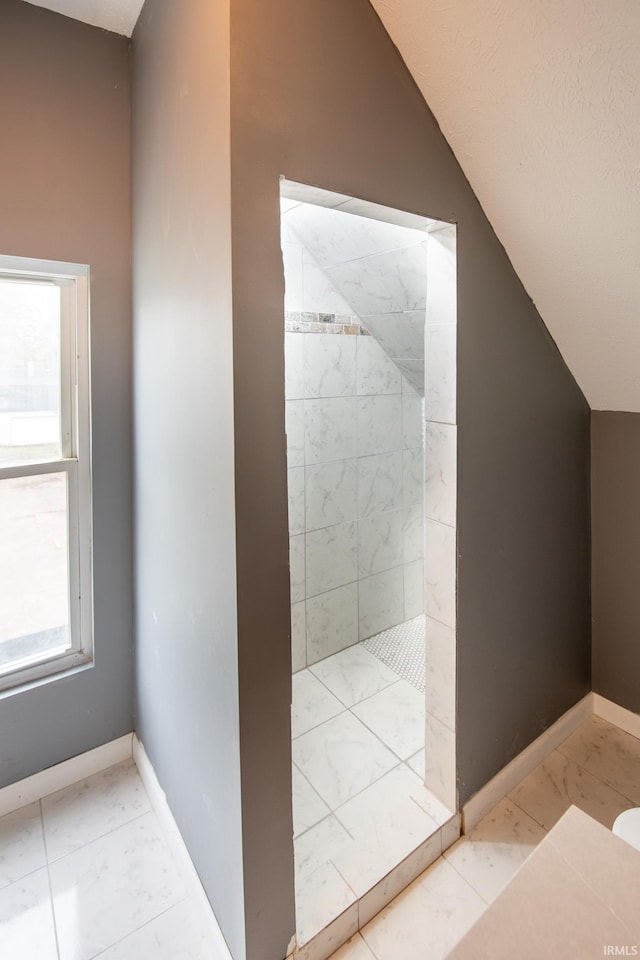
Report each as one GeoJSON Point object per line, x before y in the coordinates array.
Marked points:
{"type": "Point", "coordinates": [440, 458]}
{"type": "Point", "coordinates": [412, 421]}
{"type": "Point", "coordinates": [413, 589]}
{"type": "Point", "coordinates": [440, 675]}
{"type": "Point", "coordinates": [441, 265]}
{"type": "Point", "coordinates": [294, 427]}
{"type": "Point", "coordinates": [298, 637]}
{"type": "Point", "coordinates": [414, 372]}
{"type": "Point", "coordinates": [405, 275]}
{"type": "Point", "coordinates": [401, 335]}
{"type": "Point", "coordinates": [331, 557]}
{"type": "Point", "coordinates": [296, 567]}
{"type": "Point", "coordinates": [332, 622]}
{"type": "Point", "coordinates": [389, 282]}
{"type": "Point", "coordinates": [295, 490]}
{"type": "Point", "coordinates": [440, 572]}
{"type": "Point", "coordinates": [335, 236]}
{"type": "Point", "coordinates": [440, 761]}
{"type": "Point", "coordinates": [379, 425]}
{"type": "Point", "coordinates": [331, 493]}
{"type": "Point", "coordinates": [362, 284]}
{"type": "Point", "coordinates": [380, 543]}
{"type": "Point", "coordinates": [330, 429]}
{"type": "Point", "coordinates": [381, 603]}
{"type": "Point", "coordinates": [413, 476]}
{"type": "Point", "coordinates": [329, 365]}
{"type": "Point", "coordinates": [376, 373]}
{"type": "Point", "coordinates": [292, 263]}
{"type": "Point", "coordinates": [319, 293]}
{"type": "Point", "coordinates": [414, 533]}
{"type": "Point", "coordinates": [380, 486]}
{"type": "Point", "coordinates": [440, 373]}
{"type": "Point", "coordinates": [294, 366]}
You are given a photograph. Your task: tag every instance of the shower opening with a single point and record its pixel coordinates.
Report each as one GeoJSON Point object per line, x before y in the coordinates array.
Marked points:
{"type": "Point", "coordinates": [369, 332]}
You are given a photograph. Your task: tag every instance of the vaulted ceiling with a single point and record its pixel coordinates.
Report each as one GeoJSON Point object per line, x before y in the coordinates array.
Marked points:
{"type": "Point", "coordinates": [540, 102]}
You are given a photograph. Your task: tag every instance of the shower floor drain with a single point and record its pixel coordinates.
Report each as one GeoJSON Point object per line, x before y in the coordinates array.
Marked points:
{"type": "Point", "coordinates": [403, 649]}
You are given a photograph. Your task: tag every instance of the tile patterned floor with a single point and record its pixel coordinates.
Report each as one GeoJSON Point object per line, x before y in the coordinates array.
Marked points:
{"type": "Point", "coordinates": [596, 769]}
{"type": "Point", "coordinates": [402, 648]}
{"type": "Point", "coordinates": [359, 803]}
{"type": "Point", "coordinates": [86, 873]}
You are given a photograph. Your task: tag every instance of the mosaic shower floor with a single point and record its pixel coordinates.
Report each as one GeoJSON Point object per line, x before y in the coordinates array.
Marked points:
{"type": "Point", "coordinates": [359, 803]}
{"type": "Point", "coordinates": [402, 649]}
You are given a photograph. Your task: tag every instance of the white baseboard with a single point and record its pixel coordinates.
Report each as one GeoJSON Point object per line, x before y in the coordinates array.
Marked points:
{"type": "Point", "coordinates": [619, 716]}
{"type": "Point", "coordinates": [521, 766]}
{"type": "Point", "coordinates": [64, 774]}
{"type": "Point", "coordinates": [176, 844]}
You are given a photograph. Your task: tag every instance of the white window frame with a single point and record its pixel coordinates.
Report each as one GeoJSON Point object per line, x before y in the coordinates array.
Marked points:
{"type": "Point", "coordinates": [75, 460]}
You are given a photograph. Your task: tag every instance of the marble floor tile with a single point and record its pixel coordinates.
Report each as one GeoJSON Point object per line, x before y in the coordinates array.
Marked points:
{"type": "Point", "coordinates": [110, 887]}
{"type": "Point", "coordinates": [427, 920]}
{"type": "Point", "coordinates": [21, 844]}
{"type": "Point", "coordinates": [340, 758]}
{"type": "Point", "coordinates": [318, 845]}
{"type": "Point", "coordinates": [312, 703]}
{"type": "Point", "coordinates": [557, 783]}
{"type": "Point", "coordinates": [354, 949]}
{"type": "Point", "coordinates": [354, 674]}
{"type": "Point", "coordinates": [322, 897]}
{"type": "Point", "coordinates": [177, 934]}
{"type": "Point", "coordinates": [308, 807]}
{"type": "Point", "coordinates": [416, 763]}
{"type": "Point", "coordinates": [386, 825]}
{"type": "Point", "coordinates": [396, 716]}
{"type": "Point", "coordinates": [608, 753]}
{"type": "Point", "coordinates": [490, 854]}
{"type": "Point", "coordinates": [26, 919]}
{"type": "Point", "coordinates": [91, 808]}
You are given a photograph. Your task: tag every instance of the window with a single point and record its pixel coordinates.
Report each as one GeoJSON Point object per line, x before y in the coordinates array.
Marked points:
{"type": "Point", "coordinates": [45, 478]}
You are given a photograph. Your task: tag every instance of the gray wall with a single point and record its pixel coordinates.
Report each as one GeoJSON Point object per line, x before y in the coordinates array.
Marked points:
{"type": "Point", "coordinates": [64, 195]}
{"type": "Point", "coordinates": [320, 95]}
{"type": "Point", "coordinates": [615, 519]}
{"type": "Point", "coordinates": [186, 638]}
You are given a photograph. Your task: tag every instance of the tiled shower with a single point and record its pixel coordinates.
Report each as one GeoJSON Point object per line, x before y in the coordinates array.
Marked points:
{"type": "Point", "coordinates": [354, 361]}
{"type": "Point", "coordinates": [371, 447]}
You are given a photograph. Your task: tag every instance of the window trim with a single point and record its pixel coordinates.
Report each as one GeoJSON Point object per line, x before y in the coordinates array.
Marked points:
{"type": "Point", "coordinates": [75, 460]}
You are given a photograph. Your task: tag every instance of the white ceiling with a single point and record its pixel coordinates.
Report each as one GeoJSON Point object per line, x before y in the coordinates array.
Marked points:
{"type": "Point", "coordinates": [120, 16]}
{"type": "Point", "coordinates": [540, 101]}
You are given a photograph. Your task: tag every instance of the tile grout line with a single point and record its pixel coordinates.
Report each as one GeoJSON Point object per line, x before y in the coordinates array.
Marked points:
{"type": "Point", "coordinates": [49, 883]}
{"type": "Point", "coordinates": [96, 956]}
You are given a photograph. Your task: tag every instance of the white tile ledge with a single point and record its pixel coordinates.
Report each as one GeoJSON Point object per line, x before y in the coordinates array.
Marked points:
{"type": "Point", "coordinates": [65, 774]}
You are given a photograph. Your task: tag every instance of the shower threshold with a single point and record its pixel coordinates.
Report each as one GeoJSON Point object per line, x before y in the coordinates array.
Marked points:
{"type": "Point", "coordinates": [364, 823]}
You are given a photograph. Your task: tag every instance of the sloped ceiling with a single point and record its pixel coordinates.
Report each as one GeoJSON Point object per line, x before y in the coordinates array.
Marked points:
{"type": "Point", "coordinates": [540, 102]}
{"type": "Point", "coordinates": [119, 16]}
